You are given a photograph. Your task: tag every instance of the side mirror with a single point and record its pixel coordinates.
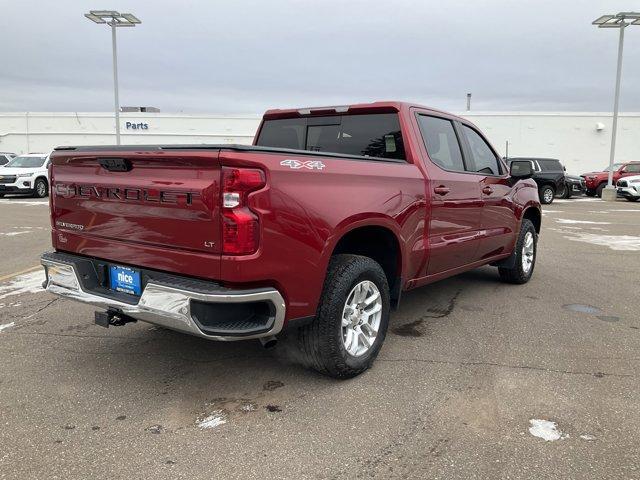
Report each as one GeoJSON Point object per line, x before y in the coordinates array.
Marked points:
{"type": "Point", "coordinates": [521, 169]}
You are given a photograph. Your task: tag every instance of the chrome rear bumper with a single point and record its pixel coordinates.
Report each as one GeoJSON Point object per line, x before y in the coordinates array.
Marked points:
{"type": "Point", "coordinates": [162, 304]}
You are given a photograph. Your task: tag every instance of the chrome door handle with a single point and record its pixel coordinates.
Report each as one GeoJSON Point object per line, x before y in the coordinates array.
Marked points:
{"type": "Point", "coordinates": [441, 190]}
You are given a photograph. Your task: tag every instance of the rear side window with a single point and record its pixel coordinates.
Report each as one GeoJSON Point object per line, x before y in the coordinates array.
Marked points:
{"type": "Point", "coordinates": [442, 142]}
{"type": "Point", "coordinates": [550, 165]}
{"type": "Point", "coordinates": [482, 160]}
{"type": "Point", "coordinates": [376, 135]}
{"type": "Point", "coordinates": [633, 168]}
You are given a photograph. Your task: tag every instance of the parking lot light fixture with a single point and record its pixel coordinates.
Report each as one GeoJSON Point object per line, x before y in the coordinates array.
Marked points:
{"type": "Point", "coordinates": [620, 21]}
{"type": "Point", "coordinates": [114, 20]}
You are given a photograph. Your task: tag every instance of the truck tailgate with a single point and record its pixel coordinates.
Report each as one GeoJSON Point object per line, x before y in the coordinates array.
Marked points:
{"type": "Point", "coordinates": [138, 204]}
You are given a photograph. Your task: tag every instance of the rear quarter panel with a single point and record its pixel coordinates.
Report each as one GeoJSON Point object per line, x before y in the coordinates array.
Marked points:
{"type": "Point", "coordinates": [305, 212]}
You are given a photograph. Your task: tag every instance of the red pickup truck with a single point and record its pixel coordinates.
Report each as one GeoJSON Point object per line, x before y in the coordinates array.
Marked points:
{"type": "Point", "coordinates": [318, 227]}
{"type": "Point", "coordinates": [596, 181]}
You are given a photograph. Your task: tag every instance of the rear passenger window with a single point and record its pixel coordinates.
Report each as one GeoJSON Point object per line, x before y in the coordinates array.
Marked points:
{"type": "Point", "coordinates": [442, 142]}
{"type": "Point", "coordinates": [482, 160]}
{"type": "Point", "coordinates": [369, 135]}
{"type": "Point", "coordinates": [633, 168]}
{"type": "Point", "coordinates": [550, 165]}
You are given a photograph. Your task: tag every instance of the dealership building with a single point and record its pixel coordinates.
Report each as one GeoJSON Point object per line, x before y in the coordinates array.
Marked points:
{"type": "Point", "coordinates": [581, 140]}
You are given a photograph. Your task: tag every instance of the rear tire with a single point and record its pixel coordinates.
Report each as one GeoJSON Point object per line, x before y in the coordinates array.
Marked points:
{"type": "Point", "coordinates": [40, 188]}
{"type": "Point", "coordinates": [324, 343]}
{"type": "Point", "coordinates": [599, 189]}
{"type": "Point", "coordinates": [525, 253]}
{"type": "Point", "coordinates": [546, 194]}
{"type": "Point", "coordinates": [1, 195]}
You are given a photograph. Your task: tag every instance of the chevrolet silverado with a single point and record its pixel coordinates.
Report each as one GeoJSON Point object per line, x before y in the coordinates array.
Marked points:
{"type": "Point", "coordinates": [316, 228]}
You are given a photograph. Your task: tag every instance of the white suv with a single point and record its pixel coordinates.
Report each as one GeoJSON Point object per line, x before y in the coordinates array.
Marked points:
{"type": "Point", "coordinates": [26, 174]}
{"type": "Point", "coordinates": [629, 188]}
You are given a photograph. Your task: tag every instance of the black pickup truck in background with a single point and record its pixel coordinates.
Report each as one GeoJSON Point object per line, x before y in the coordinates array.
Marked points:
{"type": "Point", "coordinates": [550, 177]}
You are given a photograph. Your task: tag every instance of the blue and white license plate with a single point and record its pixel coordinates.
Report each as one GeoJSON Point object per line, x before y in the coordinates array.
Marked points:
{"type": "Point", "coordinates": [125, 279]}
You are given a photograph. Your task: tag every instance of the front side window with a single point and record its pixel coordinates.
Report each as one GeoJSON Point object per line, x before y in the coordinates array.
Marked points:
{"type": "Point", "coordinates": [482, 160]}
{"type": "Point", "coordinates": [441, 142]}
{"type": "Point", "coordinates": [26, 162]}
{"type": "Point", "coordinates": [369, 135]}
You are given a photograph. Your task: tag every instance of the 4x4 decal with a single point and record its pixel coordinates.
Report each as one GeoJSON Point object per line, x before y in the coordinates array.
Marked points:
{"type": "Point", "coordinates": [297, 164]}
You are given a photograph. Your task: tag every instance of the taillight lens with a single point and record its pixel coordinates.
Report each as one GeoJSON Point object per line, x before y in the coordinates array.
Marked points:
{"type": "Point", "coordinates": [240, 225]}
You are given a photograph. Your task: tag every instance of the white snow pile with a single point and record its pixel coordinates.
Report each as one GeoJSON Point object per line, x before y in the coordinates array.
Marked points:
{"type": "Point", "coordinates": [614, 242]}
{"type": "Point", "coordinates": [6, 325]}
{"type": "Point", "coordinates": [27, 283]}
{"type": "Point", "coordinates": [545, 429]}
{"type": "Point", "coordinates": [214, 420]}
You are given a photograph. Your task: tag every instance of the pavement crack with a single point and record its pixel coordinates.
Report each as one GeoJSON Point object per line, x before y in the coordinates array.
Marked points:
{"type": "Point", "coordinates": [47, 305]}
{"type": "Point", "coordinates": [506, 365]}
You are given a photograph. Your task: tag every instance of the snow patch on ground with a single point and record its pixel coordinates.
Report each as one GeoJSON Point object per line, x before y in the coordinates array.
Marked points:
{"type": "Point", "coordinates": [27, 283]}
{"type": "Point", "coordinates": [7, 325]}
{"type": "Point", "coordinates": [214, 420]}
{"type": "Point", "coordinates": [568, 221]}
{"type": "Point", "coordinates": [545, 429]}
{"type": "Point", "coordinates": [13, 234]}
{"type": "Point", "coordinates": [614, 242]}
{"type": "Point", "coordinates": [588, 438]}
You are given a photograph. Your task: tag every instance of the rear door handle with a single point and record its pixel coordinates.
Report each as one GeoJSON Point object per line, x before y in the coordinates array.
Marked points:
{"type": "Point", "coordinates": [487, 190]}
{"type": "Point", "coordinates": [441, 190]}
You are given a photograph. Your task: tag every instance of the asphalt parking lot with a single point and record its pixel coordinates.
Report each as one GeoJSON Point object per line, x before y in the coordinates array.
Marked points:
{"type": "Point", "coordinates": [469, 363]}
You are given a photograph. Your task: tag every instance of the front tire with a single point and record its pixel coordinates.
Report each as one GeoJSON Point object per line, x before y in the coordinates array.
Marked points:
{"type": "Point", "coordinates": [565, 193]}
{"type": "Point", "coordinates": [525, 254]}
{"type": "Point", "coordinates": [546, 194]}
{"type": "Point", "coordinates": [40, 188]}
{"type": "Point", "coordinates": [590, 193]}
{"type": "Point", "coordinates": [632, 199]}
{"type": "Point", "coordinates": [352, 318]}
{"type": "Point", "coordinates": [599, 189]}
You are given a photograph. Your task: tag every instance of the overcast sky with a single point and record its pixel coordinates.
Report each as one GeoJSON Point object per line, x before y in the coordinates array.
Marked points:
{"type": "Point", "coordinates": [244, 56]}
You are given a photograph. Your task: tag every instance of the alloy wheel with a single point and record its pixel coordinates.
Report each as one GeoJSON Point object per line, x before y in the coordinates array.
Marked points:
{"type": "Point", "coordinates": [361, 317]}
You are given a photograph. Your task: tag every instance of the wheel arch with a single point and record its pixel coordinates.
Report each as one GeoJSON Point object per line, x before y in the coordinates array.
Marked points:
{"type": "Point", "coordinates": [533, 214]}
{"type": "Point", "coordinates": [378, 240]}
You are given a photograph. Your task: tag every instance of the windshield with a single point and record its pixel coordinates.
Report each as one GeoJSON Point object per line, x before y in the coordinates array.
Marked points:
{"type": "Point", "coordinates": [614, 168]}
{"type": "Point", "coordinates": [26, 162]}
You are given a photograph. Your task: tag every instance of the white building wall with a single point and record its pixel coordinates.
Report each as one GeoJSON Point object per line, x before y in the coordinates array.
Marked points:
{"type": "Point", "coordinates": [572, 137]}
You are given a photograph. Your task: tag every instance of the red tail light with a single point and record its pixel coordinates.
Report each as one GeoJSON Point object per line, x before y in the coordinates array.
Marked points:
{"type": "Point", "coordinates": [240, 225]}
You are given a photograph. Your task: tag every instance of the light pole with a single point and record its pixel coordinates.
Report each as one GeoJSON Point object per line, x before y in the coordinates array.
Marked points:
{"type": "Point", "coordinates": [114, 20]}
{"type": "Point", "coordinates": [620, 21]}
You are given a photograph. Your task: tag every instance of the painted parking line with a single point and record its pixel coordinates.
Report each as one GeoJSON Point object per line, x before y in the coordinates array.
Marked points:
{"type": "Point", "coordinates": [25, 202]}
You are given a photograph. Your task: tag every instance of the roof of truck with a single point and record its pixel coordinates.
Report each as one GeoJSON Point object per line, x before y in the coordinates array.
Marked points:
{"type": "Point", "coordinates": [373, 107]}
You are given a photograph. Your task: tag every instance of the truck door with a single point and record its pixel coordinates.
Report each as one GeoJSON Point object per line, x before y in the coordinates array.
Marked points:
{"type": "Point", "coordinates": [455, 197]}
{"type": "Point", "coordinates": [497, 222]}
